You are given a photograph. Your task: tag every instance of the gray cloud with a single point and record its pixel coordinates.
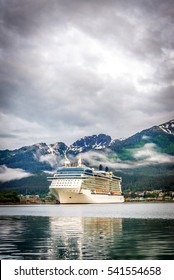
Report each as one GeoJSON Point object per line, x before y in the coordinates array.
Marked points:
{"type": "Point", "coordinates": [75, 68]}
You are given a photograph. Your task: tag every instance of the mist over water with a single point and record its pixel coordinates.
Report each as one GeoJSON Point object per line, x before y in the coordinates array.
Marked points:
{"type": "Point", "coordinates": [56, 235]}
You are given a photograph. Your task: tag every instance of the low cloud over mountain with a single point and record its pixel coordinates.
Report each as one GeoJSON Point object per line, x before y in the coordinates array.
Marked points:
{"type": "Point", "coordinates": [9, 174]}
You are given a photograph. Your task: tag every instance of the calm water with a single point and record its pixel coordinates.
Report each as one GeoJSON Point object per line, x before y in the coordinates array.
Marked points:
{"type": "Point", "coordinates": [123, 231]}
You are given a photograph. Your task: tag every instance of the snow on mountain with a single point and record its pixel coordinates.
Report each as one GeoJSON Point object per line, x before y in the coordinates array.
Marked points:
{"type": "Point", "coordinates": [96, 142]}
{"type": "Point", "coordinates": [168, 127]}
{"type": "Point", "coordinates": [51, 154]}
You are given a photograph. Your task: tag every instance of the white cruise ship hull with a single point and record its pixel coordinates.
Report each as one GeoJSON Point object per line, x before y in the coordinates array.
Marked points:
{"type": "Point", "coordinates": [75, 196]}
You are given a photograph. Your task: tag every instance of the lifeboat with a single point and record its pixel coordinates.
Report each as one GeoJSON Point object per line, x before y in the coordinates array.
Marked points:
{"type": "Point", "coordinates": [118, 193]}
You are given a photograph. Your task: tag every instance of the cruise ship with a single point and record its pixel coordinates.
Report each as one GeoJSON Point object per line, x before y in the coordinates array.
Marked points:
{"type": "Point", "coordinates": [81, 184]}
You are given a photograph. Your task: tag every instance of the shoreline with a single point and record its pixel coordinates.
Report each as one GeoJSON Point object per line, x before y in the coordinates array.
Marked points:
{"type": "Point", "coordinates": [53, 203]}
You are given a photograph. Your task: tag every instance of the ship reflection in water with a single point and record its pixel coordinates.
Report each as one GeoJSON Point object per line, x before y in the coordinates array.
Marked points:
{"type": "Point", "coordinates": [84, 238]}
{"type": "Point", "coordinates": [49, 238]}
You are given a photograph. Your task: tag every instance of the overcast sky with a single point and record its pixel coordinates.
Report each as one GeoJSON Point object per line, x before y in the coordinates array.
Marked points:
{"type": "Point", "coordinates": [70, 68]}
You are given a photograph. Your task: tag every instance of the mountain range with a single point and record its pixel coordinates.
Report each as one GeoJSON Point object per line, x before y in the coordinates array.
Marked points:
{"type": "Point", "coordinates": [144, 160]}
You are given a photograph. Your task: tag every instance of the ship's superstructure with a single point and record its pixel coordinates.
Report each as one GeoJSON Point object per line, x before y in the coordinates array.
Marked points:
{"type": "Point", "coordinates": [81, 184]}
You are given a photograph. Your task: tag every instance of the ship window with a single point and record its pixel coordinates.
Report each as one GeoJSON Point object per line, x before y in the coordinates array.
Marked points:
{"type": "Point", "coordinates": [88, 171]}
